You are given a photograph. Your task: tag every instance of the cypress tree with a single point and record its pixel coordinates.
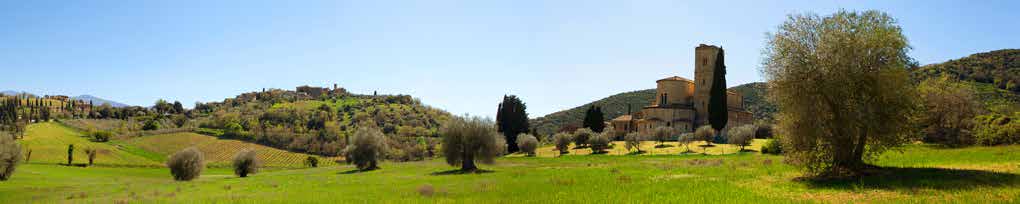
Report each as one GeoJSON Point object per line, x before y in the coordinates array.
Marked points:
{"type": "Point", "coordinates": [512, 120]}
{"type": "Point", "coordinates": [717, 112]}
{"type": "Point", "coordinates": [594, 119]}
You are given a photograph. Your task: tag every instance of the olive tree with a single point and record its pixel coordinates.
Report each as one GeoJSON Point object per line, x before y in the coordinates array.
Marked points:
{"type": "Point", "coordinates": [686, 139]}
{"type": "Point", "coordinates": [245, 162]}
{"type": "Point", "coordinates": [841, 86]}
{"type": "Point", "coordinates": [633, 141]}
{"type": "Point", "coordinates": [581, 136]}
{"type": "Point", "coordinates": [10, 155]}
{"type": "Point", "coordinates": [527, 144]}
{"type": "Point", "coordinates": [741, 135]}
{"type": "Point", "coordinates": [468, 139]}
{"type": "Point", "coordinates": [599, 142]}
{"type": "Point", "coordinates": [186, 164]}
{"type": "Point", "coordinates": [662, 134]}
{"type": "Point", "coordinates": [366, 148]}
{"type": "Point", "coordinates": [562, 142]}
{"type": "Point", "coordinates": [704, 133]}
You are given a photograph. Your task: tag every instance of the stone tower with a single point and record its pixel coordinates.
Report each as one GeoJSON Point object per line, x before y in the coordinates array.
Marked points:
{"type": "Point", "coordinates": [704, 67]}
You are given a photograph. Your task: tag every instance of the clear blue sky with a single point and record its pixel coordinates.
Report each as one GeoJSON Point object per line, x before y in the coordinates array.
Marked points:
{"type": "Point", "coordinates": [461, 56]}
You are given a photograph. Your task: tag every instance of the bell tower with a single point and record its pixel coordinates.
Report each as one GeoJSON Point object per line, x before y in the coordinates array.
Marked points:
{"type": "Point", "coordinates": [704, 67]}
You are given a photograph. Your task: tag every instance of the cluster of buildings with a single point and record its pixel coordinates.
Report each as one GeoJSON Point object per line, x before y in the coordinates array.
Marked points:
{"type": "Point", "coordinates": [682, 104]}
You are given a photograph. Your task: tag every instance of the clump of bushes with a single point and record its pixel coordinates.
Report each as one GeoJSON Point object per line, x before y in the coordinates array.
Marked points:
{"type": "Point", "coordinates": [527, 144]}
{"type": "Point", "coordinates": [599, 143]}
{"type": "Point", "coordinates": [772, 146]}
{"type": "Point", "coordinates": [245, 163]}
{"type": "Point", "coordinates": [10, 156]}
{"type": "Point", "coordinates": [581, 136]}
{"type": "Point", "coordinates": [186, 164]}
{"type": "Point", "coordinates": [366, 148]}
{"type": "Point", "coordinates": [150, 125]}
{"type": "Point", "coordinates": [101, 135]}
{"type": "Point", "coordinates": [312, 161]}
{"type": "Point", "coordinates": [467, 139]}
{"type": "Point", "coordinates": [633, 141]}
{"type": "Point", "coordinates": [741, 135]}
{"type": "Point", "coordinates": [562, 142]}
{"type": "Point", "coordinates": [997, 129]}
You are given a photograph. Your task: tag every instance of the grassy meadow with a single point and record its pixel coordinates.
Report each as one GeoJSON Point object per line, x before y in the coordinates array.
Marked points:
{"type": "Point", "coordinates": [914, 174]}
{"type": "Point", "coordinates": [220, 152]}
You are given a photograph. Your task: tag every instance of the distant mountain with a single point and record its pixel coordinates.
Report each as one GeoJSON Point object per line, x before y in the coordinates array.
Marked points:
{"type": "Point", "coordinates": [98, 101]}
{"type": "Point", "coordinates": [612, 106]}
{"type": "Point", "coordinates": [616, 105]}
{"type": "Point", "coordinates": [11, 93]}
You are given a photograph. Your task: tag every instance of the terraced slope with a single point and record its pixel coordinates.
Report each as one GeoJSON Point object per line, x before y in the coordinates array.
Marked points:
{"type": "Point", "coordinates": [219, 152]}
{"type": "Point", "coordinates": [48, 143]}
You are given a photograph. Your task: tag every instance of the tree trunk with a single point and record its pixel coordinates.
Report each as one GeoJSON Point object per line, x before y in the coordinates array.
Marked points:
{"type": "Point", "coordinates": [468, 163]}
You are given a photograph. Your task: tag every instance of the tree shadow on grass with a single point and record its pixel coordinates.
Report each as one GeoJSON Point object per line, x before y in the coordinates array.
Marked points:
{"type": "Point", "coordinates": [354, 171]}
{"type": "Point", "coordinates": [460, 172]}
{"type": "Point", "coordinates": [663, 146]}
{"type": "Point", "coordinates": [636, 153]}
{"type": "Point", "coordinates": [909, 179]}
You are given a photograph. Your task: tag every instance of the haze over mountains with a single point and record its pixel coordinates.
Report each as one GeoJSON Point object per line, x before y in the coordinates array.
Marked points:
{"type": "Point", "coordinates": [85, 97]}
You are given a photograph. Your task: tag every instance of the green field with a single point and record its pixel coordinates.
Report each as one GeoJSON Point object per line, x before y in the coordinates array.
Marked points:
{"type": "Point", "coordinates": [219, 152]}
{"type": "Point", "coordinates": [922, 175]}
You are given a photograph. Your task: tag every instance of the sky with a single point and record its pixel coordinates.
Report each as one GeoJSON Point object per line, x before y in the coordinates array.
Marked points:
{"type": "Point", "coordinates": [460, 56]}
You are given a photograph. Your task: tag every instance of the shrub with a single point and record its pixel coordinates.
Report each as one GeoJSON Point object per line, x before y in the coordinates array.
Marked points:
{"type": "Point", "coordinates": [599, 143]}
{"type": "Point", "coordinates": [997, 129]}
{"type": "Point", "coordinates": [562, 142]}
{"type": "Point", "coordinates": [633, 141]}
{"type": "Point", "coordinates": [772, 146]}
{"type": "Point", "coordinates": [366, 148]}
{"type": "Point", "coordinates": [527, 144]}
{"type": "Point", "coordinates": [101, 135]}
{"type": "Point", "coordinates": [662, 134]}
{"type": "Point", "coordinates": [234, 130]}
{"type": "Point", "coordinates": [312, 161]}
{"type": "Point", "coordinates": [245, 163]}
{"type": "Point", "coordinates": [466, 139]}
{"type": "Point", "coordinates": [91, 154]}
{"type": "Point", "coordinates": [150, 125]}
{"type": "Point", "coordinates": [10, 155]}
{"type": "Point", "coordinates": [741, 135]}
{"type": "Point", "coordinates": [581, 136]}
{"type": "Point", "coordinates": [186, 164]}
{"type": "Point", "coordinates": [949, 110]}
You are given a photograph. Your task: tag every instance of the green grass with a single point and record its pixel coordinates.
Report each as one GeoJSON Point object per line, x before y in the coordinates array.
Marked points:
{"type": "Point", "coordinates": [218, 152]}
{"type": "Point", "coordinates": [49, 141]}
{"type": "Point", "coordinates": [921, 174]}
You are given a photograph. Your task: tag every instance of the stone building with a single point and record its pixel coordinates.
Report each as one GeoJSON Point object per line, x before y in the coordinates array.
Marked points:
{"type": "Point", "coordinates": [682, 104]}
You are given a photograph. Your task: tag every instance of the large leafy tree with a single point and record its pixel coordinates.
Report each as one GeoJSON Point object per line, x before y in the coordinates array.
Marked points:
{"type": "Point", "coordinates": [512, 120]}
{"type": "Point", "coordinates": [717, 113]}
{"type": "Point", "coordinates": [841, 86]}
{"type": "Point", "coordinates": [594, 119]}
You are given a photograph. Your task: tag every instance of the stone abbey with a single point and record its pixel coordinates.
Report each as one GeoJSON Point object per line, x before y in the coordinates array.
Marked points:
{"type": "Point", "coordinates": [682, 104]}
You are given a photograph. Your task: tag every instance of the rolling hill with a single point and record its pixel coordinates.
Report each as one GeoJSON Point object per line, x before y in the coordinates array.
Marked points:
{"type": "Point", "coordinates": [220, 152]}
{"type": "Point", "coordinates": [49, 141]}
